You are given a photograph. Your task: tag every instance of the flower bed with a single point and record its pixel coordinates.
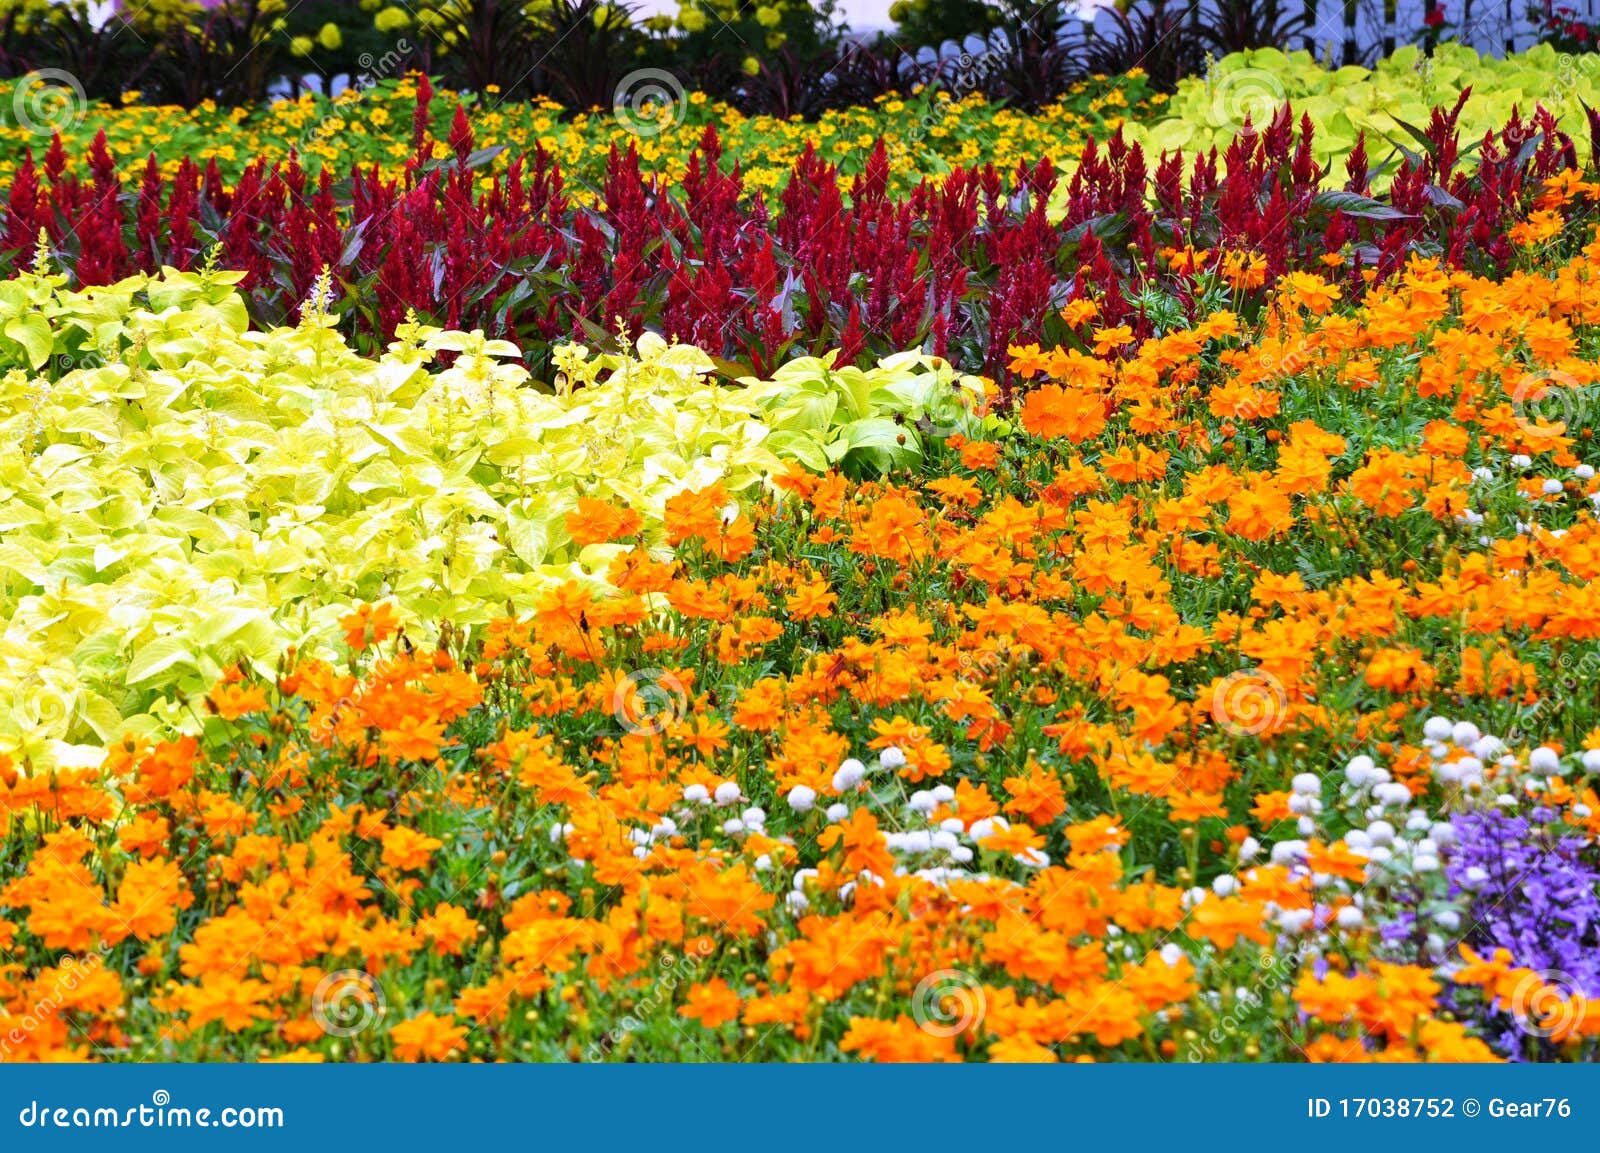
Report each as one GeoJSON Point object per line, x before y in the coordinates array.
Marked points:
{"type": "Point", "coordinates": [962, 268]}
{"type": "Point", "coordinates": [1114, 730]}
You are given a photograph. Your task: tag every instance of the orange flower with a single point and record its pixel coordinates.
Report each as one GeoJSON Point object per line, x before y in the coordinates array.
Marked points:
{"type": "Point", "coordinates": [369, 625]}
{"type": "Point", "coordinates": [596, 522]}
{"type": "Point", "coordinates": [405, 849]}
{"type": "Point", "coordinates": [1224, 920]}
{"type": "Point", "coordinates": [1053, 411]}
{"type": "Point", "coordinates": [231, 701]}
{"type": "Point", "coordinates": [712, 1003]}
{"type": "Point", "coordinates": [427, 1037]}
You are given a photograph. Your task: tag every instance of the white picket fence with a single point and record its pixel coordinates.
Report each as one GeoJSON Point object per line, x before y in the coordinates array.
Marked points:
{"type": "Point", "coordinates": [1364, 30]}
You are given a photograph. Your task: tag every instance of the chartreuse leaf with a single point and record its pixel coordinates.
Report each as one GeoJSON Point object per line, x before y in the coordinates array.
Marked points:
{"type": "Point", "coordinates": [219, 495]}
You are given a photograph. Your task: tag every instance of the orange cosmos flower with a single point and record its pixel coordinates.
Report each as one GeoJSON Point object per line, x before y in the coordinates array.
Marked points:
{"type": "Point", "coordinates": [1052, 411]}
{"type": "Point", "coordinates": [427, 1037]}
{"type": "Point", "coordinates": [369, 625]}
{"type": "Point", "coordinates": [712, 1003]}
{"type": "Point", "coordinates": [596, 522]}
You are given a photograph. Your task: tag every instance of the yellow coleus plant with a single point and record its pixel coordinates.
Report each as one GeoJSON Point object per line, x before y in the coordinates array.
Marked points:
{"type": "Point", "coordinates": [179, 493]}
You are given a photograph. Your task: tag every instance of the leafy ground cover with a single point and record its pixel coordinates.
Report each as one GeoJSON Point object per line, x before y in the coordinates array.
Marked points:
{"type": "Point", "coordinates": [1229, 697]}
{"type": "Point", "coordinates": [1387, 103]}
{"type": "Point", "coordinates": [182, 492]}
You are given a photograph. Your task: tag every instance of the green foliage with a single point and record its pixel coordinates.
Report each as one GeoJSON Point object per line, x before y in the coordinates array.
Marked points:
{"type": "Point", "coordinates": [1206, 111]}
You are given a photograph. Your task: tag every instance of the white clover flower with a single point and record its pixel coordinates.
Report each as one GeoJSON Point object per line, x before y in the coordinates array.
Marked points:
{"type": "Point", "coordinates": [1584, 472]}
{"type": "Point", "coordinates": [1391, 794]}
{"type": "Point", "coordinates": [1381, 833]}
{"type": "Point", "coordinates": [922, 802]}
{"type": "Point", "coordinates": [696, 794]}
{"type": "Point", "coordinates": [1464, 733]}
{"type": "Point", "coordinates": [1295, 920]}
{"type": "Point", "coordinates": [850, 774]}
{"type": "Point", "coordinates": [1591, 760]}
{"type": "Point", "coordinates": [1306, 784]}
{"type": "Point", "coordinates": [1438, 728]}
{"type": "Point", "coordinates": [1552, 487]}
{"type": "Point", "coordinates": [802, 798]}
{"type": "Point", "coordinates": [1486, 748]}
{"type": "Point", "coordinates": [892, 758]}
{"type": "Point", "coordinates": [1521, 460]}
{"type": "Point", "coordinates": [1544, 759]}
{"type": "Point", "coordinates": [1249, 849]}
{"type": "Point", "coordinates": [727, 793]}
{"type": "Point", "coordinates": [732, 825]}
{"type": "Point", "coordinates": [838, 812]}
{"type": "Point", "coordinates": [1359, 771]}
{"type": "Point", "coordinates": [1349, 917]}
{"type": "Point", "coordinates": [944, 794]}
{"type": "Point", "coordinates": [1224, 885]}
{"type": "Point", "coordinates": [1288, 852]}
